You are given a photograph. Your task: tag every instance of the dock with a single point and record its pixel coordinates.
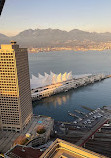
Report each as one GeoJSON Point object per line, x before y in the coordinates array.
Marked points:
{"type": "Point", "coordinates": [80, 112]}
{"type": "Point", "coordinates": [87, 108]}
{"type": "Point", "coordinates": [73, 115]}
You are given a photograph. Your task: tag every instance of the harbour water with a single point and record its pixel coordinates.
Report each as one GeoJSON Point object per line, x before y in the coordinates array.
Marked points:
{"type": "Point", "coordinates": [92, 96]}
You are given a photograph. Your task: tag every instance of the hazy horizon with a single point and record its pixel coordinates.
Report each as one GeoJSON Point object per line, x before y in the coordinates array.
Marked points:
{"type": "Point", "coordinates": [87, 15]}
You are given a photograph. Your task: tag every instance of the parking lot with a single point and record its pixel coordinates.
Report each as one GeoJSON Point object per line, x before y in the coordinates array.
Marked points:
{"type": "Point", "coordinates": [84, 124]}
{"type": "Point", "coordinates": [91, 119]}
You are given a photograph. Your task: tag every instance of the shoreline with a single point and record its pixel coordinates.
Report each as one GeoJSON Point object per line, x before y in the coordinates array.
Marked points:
{"type": "Point", "coordinates": [75, 50]}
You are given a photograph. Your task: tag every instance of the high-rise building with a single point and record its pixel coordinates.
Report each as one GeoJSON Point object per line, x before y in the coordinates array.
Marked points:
{"type": "Point", "coordinates": [15, 95]}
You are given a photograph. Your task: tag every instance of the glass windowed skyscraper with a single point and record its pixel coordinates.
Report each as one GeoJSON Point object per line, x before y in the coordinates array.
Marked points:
{"type": "Point", "coordinates": [15, 95]}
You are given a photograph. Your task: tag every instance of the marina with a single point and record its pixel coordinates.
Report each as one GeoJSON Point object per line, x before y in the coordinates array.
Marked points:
{"type": "Point", "coordinates": [88, 132]}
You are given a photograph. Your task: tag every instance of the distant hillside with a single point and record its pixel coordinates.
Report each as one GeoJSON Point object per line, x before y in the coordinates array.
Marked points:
{"type": "Point", "coordinates": [55, 37]}
{"type": "Point", "coordinates": [4, 38]}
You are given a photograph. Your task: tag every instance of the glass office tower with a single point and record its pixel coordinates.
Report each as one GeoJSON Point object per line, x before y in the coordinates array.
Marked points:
{"type": "Point", "coordinates": [15, 95]}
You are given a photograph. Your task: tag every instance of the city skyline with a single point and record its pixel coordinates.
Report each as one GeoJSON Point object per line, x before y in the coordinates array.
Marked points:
{"type": "Point", "coordinates": [92, 16]}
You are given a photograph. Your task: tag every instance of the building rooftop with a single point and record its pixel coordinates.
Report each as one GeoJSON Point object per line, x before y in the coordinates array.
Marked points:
{"type": "Point", "coordinates": [7, 138]}
{"type": "Point", "coordinates": [23, 152]}
{"type": "Point", "coordinates": [63, 149]}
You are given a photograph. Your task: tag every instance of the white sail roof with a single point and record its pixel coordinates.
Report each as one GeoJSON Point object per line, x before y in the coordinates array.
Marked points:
{"type": "Point", "coordinates": [54, 79]}
{"type": "Point", "coordinates": [64, 76]}
{"type": "Point", "coordinates": [51, 78]}
{"type": "Point", "coordinates": [40, 76]}
{"type": "Point", "coordinates": [46, 75]}
{"type": "Point", "coordinates": [51, 73]}
{"type": "Point", "coordinates": [59, 78]}
{"type": "Point", "coordinates": [69, 75]}
{"type": "Point", "coordinates": [34, 77]}
{"type": "Point", "coordinates": [47, 80]}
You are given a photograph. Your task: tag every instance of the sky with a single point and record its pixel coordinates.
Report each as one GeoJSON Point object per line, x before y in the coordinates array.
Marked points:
{"type": "Point", "coordinates": [87, 15]}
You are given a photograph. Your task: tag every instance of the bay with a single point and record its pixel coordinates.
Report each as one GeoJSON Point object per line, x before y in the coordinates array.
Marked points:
{"type": "Point", "coordinates": [94, 96]}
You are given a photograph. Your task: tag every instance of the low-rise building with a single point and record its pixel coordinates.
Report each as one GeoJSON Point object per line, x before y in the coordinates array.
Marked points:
{"type": "Point", "coordinates": [20, 151]}
{"type": "Point", "coordinates": [63, 149]}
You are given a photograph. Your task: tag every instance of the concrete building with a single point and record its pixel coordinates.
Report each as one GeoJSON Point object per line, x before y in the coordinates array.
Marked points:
{"type": "Point", "coordinates": [63, 149]}
{"type": "Point", "coordinates": [42, 138]}
{"type": "Point", "coordinates": [15, 95]}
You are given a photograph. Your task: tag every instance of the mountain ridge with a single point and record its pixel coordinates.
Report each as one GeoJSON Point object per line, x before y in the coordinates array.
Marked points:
{"type": "Point", "coordinates": [55, 37]}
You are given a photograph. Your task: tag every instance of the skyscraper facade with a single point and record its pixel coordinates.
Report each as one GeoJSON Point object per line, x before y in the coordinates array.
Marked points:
{"type": "Point", "coordinates": [15, 95]}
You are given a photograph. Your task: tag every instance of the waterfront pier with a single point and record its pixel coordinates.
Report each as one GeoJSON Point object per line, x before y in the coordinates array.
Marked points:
{"type": "Point", "coordinates": [73, 82]}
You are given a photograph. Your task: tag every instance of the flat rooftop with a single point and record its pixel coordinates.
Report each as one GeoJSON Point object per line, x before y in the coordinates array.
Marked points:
{"type": "Point", "coordinates": [7, 137]}
{"type": "Point", "coordinates": [63, 149]}
{"type": "Point", "coordinates": [24, 152]}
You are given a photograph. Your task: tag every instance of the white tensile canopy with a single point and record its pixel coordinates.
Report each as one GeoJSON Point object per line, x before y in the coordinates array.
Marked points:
{"type": "Point", "coordinates": [59, 79]}
{"type": "Point", "coordinates": [54, 79]}
{"type": "Point", "coordinates": [51, 78]}
{"type": "Point", "coordinates": [64, 76]}
{"type": "Point", "coordinates": [69, 76]}
{"type": "Point", "coordinates": [48, 79]}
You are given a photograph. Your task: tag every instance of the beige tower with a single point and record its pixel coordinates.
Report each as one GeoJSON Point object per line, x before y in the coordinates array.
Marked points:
{"type": "Point", "coordinates": [15, 95]}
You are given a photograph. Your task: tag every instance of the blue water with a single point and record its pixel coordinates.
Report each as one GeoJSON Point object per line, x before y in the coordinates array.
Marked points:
{"type": "Point", "coordinates": [93, 96]}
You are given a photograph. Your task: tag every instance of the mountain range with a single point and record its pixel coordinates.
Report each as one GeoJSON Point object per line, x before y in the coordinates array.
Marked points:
{"type": "Point", "coordinates": [55, 38]}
